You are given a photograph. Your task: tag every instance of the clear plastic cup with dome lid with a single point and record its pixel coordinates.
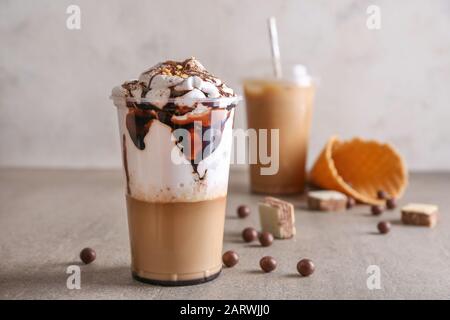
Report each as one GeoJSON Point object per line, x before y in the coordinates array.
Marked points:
{"type": "Point", "coordinates": [283, 107]}
{"type": "Point", "coordinates": [175, 126]}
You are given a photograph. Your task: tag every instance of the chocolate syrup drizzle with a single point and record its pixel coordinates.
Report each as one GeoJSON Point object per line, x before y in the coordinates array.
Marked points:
{"type": "Point", "coordinates": [140, 117]}
{"type": "Point", "coordinates": [125, 163]}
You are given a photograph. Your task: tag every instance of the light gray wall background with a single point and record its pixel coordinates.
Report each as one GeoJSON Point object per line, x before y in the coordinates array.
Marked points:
{"type": "Point", "coordinates": [392, 84]}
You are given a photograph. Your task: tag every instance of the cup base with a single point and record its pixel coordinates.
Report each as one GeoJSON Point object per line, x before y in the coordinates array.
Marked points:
{"type": "Point", "coordinates": [178, 283]}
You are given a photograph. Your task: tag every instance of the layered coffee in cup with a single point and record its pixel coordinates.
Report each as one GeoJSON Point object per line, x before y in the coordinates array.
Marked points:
{"type": "Point", "coordinates": [282, 106]}
{"type": "Point", "coordinates": [176, 133]}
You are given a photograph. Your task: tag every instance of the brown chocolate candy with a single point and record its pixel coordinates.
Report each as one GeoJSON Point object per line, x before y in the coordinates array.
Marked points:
{"type": "Point", "coordinates": [243, 211]}
{"type": "Point", "coordinates": [376, 210]}
{"type": "Point", "coordinates": [384, 227]}
{"type": "Point", "coordinates": [391, 203]}
{"type": "Point", "coordinates": [382, 195]}
{"type": "Point", "coordinates": [265, 238]}
{"type": "Point", "coordinates": [350, 202]}
{"type": "Point", "coordinates": [249, 234]}
{"type": "Point", "coordinates": [306, 267]}
{"type": "Point", "coordinates": [88, 255]}
{"type": "Point", "coordinates": [268, 264]}
{"type": "Point", "coordinates": [230, 258]}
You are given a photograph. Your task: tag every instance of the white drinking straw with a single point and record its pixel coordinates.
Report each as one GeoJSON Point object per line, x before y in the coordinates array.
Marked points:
{"type": "Point", "coordinates": [276, 61]}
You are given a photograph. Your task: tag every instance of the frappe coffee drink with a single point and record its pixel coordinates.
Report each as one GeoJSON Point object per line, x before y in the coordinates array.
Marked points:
{"type": "Point", "coordinates": [176, 132]}
{"type": "Point", "coordinates": [284, 105]}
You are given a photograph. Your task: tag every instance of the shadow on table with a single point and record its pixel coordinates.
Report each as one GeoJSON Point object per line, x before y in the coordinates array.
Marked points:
{"type": "Point", "coordinates": [231, 236]}
{"type": "Point", "coordinates": [55, 275]}
{"type": "Point", "coordinates": [396, 222]}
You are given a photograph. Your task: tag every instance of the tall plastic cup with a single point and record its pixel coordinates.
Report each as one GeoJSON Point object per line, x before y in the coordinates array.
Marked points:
{"type": "Point", "coordinates": [176, 170]}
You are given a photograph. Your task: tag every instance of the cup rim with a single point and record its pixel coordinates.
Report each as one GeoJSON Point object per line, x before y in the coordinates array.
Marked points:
{"type": "Point", "coordinates": [221, 100]}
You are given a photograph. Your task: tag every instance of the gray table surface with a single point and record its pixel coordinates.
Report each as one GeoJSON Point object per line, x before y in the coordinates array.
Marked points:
{"type": "Point", "coordinates": [47, 216]}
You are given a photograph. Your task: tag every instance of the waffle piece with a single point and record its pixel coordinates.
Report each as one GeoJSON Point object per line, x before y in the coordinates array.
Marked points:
{"type": "Point", "coordinates": [420, 214]}
{"type": "Point", "coordinates": [326, 200]}
{"type": "Point", "coordinates": [277, 217]}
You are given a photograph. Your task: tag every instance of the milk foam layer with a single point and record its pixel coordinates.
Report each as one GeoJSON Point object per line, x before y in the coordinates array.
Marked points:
{"type": "Point", "coordinates": [171, 96]}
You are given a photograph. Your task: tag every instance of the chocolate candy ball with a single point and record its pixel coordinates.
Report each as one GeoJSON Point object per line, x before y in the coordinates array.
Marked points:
{"type": "Point", "coordinates": [87, 255]}
{"type": "Point", "coordinates": [265, 238]}
{"type": "Point", "coordinates": [249, 234]}
{"type": "Point", "coordinates": [268, 264]}
{"type": "Point", "coordinates": [391, 203]}
{"type": "Point", "coordinates": [382, 195]}
{"type": "Point", "coordinates": [230, 258]}
{"type": "Point", "coordinates": [243, 211]}
{"type": "Point", "coordinates": [376, 210]}
{"type": "Point", "coordinates": [350, 202]}
{"type": "Point", "coordinates": [384, 227]}
{"type": "Point", "coordinates": [306, 267]}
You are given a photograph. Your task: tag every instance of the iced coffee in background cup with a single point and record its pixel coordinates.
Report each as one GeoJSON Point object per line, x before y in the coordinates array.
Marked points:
{"type": "Point", "coordinates": [175, 126]}
{"type": "Point", "coordinates": [285, 104]}
{"type": "Point", "coordinates": [279, 110]}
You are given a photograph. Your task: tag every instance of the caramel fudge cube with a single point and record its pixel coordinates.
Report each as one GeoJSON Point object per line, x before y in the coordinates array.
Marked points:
{"type": "Point", "coordinates": [326, 200]}
{"type": "Point", "coordinates": [277, 217]}
{"type": "Point", "coordinates": [420, 214]}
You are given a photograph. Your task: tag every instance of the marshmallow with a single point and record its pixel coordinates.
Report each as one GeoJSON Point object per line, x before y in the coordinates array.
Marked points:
{"type": "Point", "coordinates": [189, 98]}
{"type": "Point", "coordinates": [145, 78]}
{"type": "Point", "coordinates": [217, 81]}
{"type": "Point", "coordinates": [210, 90]}
{"type": "Point", "coordinates": [119, 91]}
{"type": "Point", "coordinates": [158, 97]}
{"type": "Point", "coordinates": [227, 90]}
{"type": "Point", "coordinates": [164, 81]}
{"type": "Point", "coordinates": [196, 82]}
{"type": "Point", "coordinates": [190, 83]}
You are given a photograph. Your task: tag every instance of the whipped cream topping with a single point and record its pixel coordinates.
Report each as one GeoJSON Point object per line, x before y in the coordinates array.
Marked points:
{"type": "Point", "coordinates": [185, 82]}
